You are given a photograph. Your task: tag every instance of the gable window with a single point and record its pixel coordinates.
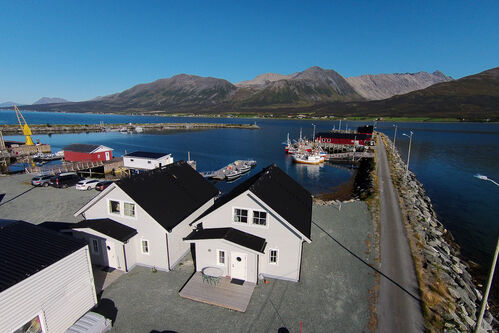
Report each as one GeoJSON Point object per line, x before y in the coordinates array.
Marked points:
{"type": "Point", "coordinates": [145, 246]}
{"type": "Point", "coordinates": [129, 209]}
{"type": "Point", "coordinates": [259, 218]}
{"type": "Point", "coordinates": [273, 256]}
{"type": "Point", "coordinates": [94, 246]}
{"type": "Point", "coordinates": [221, 257]}
{"type": "Point", "coordinates": [114, 207]}
{"type": "Point", "coordinates": [240, 215]}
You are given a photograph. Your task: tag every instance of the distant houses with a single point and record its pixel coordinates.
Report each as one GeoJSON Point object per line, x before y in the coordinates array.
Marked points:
{"type": "Point", "coordinates": [142, 220]}
{"type": "Point", "coordinates": [46, 280]}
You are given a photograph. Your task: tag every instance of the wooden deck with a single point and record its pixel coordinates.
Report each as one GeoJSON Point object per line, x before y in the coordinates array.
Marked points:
{"type": "Point", "coordinates": [224, 294]}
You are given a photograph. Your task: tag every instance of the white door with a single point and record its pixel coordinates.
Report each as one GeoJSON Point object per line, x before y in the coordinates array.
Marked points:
{"type": "Point", "coordinates": [238, 262]}
{"type": "Point", "coordinates": [112, 256]}
{"type": "Point", "coordinates": [108, 157]}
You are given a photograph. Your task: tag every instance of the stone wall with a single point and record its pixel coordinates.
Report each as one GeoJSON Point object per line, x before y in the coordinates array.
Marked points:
{"type": "Point", "coordinates": [438, 254]}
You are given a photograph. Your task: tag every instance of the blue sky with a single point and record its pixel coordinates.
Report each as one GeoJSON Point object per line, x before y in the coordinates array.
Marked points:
{"type": "Point", "coordinates": [78, 50]}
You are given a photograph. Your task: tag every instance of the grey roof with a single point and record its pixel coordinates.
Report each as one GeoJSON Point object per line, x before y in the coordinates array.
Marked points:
{"type": "Point", "coordinates": [232, 235]}
{"type": "Point", "coordinates": [26, 249]}
{"type": "Point", "coordinates": [170, 193]}
{"type": "Point", "coordinates": [108, 227]}
{"type": "Point", "coordinates": [146, 154]}
{"type": "Point", "coordinates": [281, 192]}
{"type": "Point", "coordinates": [82, 147]}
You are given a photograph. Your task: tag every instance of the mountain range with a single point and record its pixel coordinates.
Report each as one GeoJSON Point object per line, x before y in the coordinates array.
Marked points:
{"type": "Point", "coordinates": [314, 90]}
{"type": "Point", "coordinates": [49, 100]}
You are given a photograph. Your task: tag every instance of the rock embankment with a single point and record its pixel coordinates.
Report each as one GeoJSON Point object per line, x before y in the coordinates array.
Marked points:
{"type": "Point", "coordinates": [86, 128]}
{"type": "Point", "coordinates": [450, 298]}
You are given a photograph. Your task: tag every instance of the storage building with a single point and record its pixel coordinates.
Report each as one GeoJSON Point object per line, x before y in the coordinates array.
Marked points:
{"type": "Point", "coordinates": [77, 152]}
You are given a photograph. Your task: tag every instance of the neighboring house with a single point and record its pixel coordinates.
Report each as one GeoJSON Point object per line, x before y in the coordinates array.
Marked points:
{"type": "Point", "coordinates": [46, 279]}
{"type": "Point", "coordinates": [142, 220]}
{"type": "Point", "coordinates": [257, 229]}
{"type": "Point", "coordinates": [146, 160]}
{"type": "Point", "coordinates": [77, 152]}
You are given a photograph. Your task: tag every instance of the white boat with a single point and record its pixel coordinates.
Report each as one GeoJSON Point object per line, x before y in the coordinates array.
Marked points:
{"type": "Point", "coordinates": [233, 174]}
{"type": "Point", "coordinates": [244, 165]}
{"type": "Point", "coordinates": [308, 159]}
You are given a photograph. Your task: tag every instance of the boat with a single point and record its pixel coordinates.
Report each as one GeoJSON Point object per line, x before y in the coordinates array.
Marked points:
{"type": "Point", "coordinates": [308, 158]}
{"type": "Point", "coordinates": [233, 174]}
{"type": "Point", "coordinates": [244, 165]}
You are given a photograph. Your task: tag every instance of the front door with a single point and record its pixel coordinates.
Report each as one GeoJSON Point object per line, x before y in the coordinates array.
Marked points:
{"type": "Point", "coordinates": [108, 156]}
{"type": "Point", "coordinates": [112, 256]}
{"type": "Point", "coordinates": [238, 263]}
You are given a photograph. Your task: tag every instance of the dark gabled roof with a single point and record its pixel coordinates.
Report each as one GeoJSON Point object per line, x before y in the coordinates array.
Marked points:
{"type": "Point", "coordinates": [281, 192]}
{"type": "Point", "coordinates": [26, 249]}
{"type": "Point", "coordinates": [108, 227]}
{"type": "Point", "coordinates": [146, 154]}
{"type": "Point", "coordinates": [170, 193]}
{"type": "Point", "coordinates": [232, 235]}
{"type": "Point", "coordinates": [81, 148]}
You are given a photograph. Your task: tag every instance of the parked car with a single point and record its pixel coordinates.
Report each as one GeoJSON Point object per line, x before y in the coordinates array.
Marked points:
{"type": "Point", "coordinates": [42, 180]}
{"type": "Point", "coordinates": [86, 184]}
{"type": "Point", "coordinates": [64, 180]}
{"type": "Point", "coordinates": [103, 185]}
{"type": "Point", "coordinates": [91, 322]}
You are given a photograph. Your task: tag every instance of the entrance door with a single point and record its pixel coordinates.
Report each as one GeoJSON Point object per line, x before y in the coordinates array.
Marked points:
{"type": "Point", "coordinates": [112, 256]}
{"type": "Point", "coordinates": [238, 263]}
{"type": "Point", "coordinates": [108, 157]}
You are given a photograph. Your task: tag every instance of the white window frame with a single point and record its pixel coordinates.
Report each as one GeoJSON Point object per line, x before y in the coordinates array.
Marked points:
{"type": "Point", "coordinates": [266, 218]}
{"type": "Point", "coordinates": [148, 244]}
{"type": "Point", "coordinates": [276, 256]}
{"type": "Point", "coordinates": [134, 209]}
{"type": "Point", "coordinates": [109, 207]}
{"type": "Point", "coordinates": [247, 216]}
{"type": "Point", "coordinates": [41, 316]}
{"type": "Point", "coordinates": [92, 248]}
{"type": "Point", "coordinates": [224, 257]}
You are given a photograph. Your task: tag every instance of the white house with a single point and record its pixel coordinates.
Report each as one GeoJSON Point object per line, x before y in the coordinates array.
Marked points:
{"type": "Point", "coordinates": [256, 230]}
{"type": "Point", "coordinates": [146, 160]}
{"type": "Point", "coordinates": [142, 220]}
{"type": "Point", "coordinates": [46, 280]}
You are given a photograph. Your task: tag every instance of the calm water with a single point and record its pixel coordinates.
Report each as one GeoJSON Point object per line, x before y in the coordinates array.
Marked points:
{"type": "Point", "coordinates": [444, 157]}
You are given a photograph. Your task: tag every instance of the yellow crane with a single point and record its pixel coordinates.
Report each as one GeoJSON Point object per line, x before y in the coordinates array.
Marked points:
{"type": "Point", "coordinates": [24, 127]}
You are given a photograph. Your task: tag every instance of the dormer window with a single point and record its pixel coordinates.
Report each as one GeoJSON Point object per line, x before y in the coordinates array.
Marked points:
{"type": "Point", "coordinates": [240, 215]}
{"type": "Point", "coordinates": [259, 218]}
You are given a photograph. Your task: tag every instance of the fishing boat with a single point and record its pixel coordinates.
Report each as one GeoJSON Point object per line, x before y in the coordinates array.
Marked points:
{"type": "Point", "coordinates": [308, 158]}
{"type": "Point", "coordinates": [244, 165]}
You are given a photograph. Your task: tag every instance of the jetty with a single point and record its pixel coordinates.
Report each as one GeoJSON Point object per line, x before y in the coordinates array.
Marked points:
{"type": "Point", "coordinates": [89, 167]}
{"type": "Point", "coordinates": [125, 128]}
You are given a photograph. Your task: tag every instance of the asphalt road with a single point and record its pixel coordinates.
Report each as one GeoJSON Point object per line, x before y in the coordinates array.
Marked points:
{"type": "Point", "coordinates": [399, 308]}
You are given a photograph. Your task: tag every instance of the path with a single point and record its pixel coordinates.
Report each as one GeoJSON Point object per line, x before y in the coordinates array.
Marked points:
{"type": "Point", "coordinates": [399, 308]}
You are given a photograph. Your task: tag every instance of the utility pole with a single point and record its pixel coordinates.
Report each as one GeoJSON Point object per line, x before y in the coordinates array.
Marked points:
{"type": "Point", "coordinates": [408, 153]}
{"type": "Point", "coordinates": [394, 137]}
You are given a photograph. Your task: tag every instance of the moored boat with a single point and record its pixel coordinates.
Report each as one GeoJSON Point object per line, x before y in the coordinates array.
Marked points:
{"type": "Point", "coordinates": [308, 159]}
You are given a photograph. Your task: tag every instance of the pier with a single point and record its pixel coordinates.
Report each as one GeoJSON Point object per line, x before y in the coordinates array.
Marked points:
{"type": "Point", "coordinates": [89, 167]}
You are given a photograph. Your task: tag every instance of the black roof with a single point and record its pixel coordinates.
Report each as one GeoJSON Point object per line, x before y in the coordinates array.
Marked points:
{"type": "Point", "coordinates": [146, 154]}
{"type": "Point", "coordinates": [170, 193]}
{"type": "Point", "coordinates": [281, 192]}
{"type": "Point", "coordinates": [26, 249]}
{"type": "Point", "coordinates": [232, 235]}
{"type": "Point", "coordinates": [81, 148]}
{"type": "Point", "coordinates": [108, 227]}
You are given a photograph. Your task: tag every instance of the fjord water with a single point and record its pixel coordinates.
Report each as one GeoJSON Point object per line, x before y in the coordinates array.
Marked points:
{"type": "Point", "coordinates": [444, 157]}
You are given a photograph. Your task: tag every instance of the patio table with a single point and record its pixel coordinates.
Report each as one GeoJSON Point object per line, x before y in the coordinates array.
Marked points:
{"type": "Point", "coordinates": [212, 274]}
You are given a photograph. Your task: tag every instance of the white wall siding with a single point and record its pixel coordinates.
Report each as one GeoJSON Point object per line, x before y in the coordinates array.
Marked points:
{"type": "Point", "coordinates": [146, 163]}
{"type": "Point", "coordinates": [62, 293]}
{"type": "Point", "coordinates": [206, 256]}
{"type": "Point", "coordinates": [277, 234]}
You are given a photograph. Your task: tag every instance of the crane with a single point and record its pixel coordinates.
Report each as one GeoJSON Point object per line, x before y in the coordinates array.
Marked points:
{"type": "Point", "coordinates": [24, 127]}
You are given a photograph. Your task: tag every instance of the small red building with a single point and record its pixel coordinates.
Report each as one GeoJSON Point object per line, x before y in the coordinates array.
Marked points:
{"type": "Point", "coordinates": [83, 152]}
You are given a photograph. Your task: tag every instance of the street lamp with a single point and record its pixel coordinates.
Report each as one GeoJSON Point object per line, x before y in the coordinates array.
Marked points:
{"type": "Point", "coordinates": [394, 136]}
{"type": "Point", "coordinates": [409, 152]}
{"type": "Point", "coordinates": [313, 136]}
{"type": "Point", "coordinates": [492, 269]}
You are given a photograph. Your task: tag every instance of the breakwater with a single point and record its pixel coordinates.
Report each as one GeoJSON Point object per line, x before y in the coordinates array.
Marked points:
{"type": "Point", "coordinates": [450, 297]}
{"type": "Point", "coordinates": [128, 127]}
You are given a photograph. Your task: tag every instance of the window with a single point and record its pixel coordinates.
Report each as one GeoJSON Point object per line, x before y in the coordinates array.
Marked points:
{"type": "Point", "coordinates": [148, 162]}
{"type": "Point", "coordinates": [221, 257]}
{"type": "Point", "coordinates": [259, 218]}
{"type": "Point", "coordinates": [240, 215]}
{"type": "Point", "coordinates": [273, 256]}
{"type": "Point", "coordinates": [145, 246]}
{"type": "Point", "coordinates": [114, 207]}
{"type": "Point", "coordinates": [129, 209]}
{"type": "Point", "coordinates": [94, 246]}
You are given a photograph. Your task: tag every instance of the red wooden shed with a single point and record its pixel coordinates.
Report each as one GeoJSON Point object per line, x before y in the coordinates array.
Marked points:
{"type": "Point", "coordinates": [83, 152]}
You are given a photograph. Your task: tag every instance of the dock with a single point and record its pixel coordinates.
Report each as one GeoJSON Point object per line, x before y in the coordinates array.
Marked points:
{"type": "Point", "coordinates": [103, 167]}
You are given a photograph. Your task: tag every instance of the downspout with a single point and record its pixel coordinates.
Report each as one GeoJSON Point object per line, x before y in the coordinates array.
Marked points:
{"type": "Point", "coordinates": [167, 251]}
{"type": "Point", "coordinates": [124, 256]}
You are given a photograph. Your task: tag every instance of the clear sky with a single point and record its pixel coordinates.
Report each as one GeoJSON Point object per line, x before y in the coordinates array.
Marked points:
{"type": "Point", "coordinates": [78, 50]}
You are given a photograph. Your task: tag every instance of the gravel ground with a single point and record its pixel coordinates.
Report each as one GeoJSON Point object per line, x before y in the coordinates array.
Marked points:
{"type": "Point", "coordinates": [22, 201]}
{"type": "Point", "coordinates": [332, 295]}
